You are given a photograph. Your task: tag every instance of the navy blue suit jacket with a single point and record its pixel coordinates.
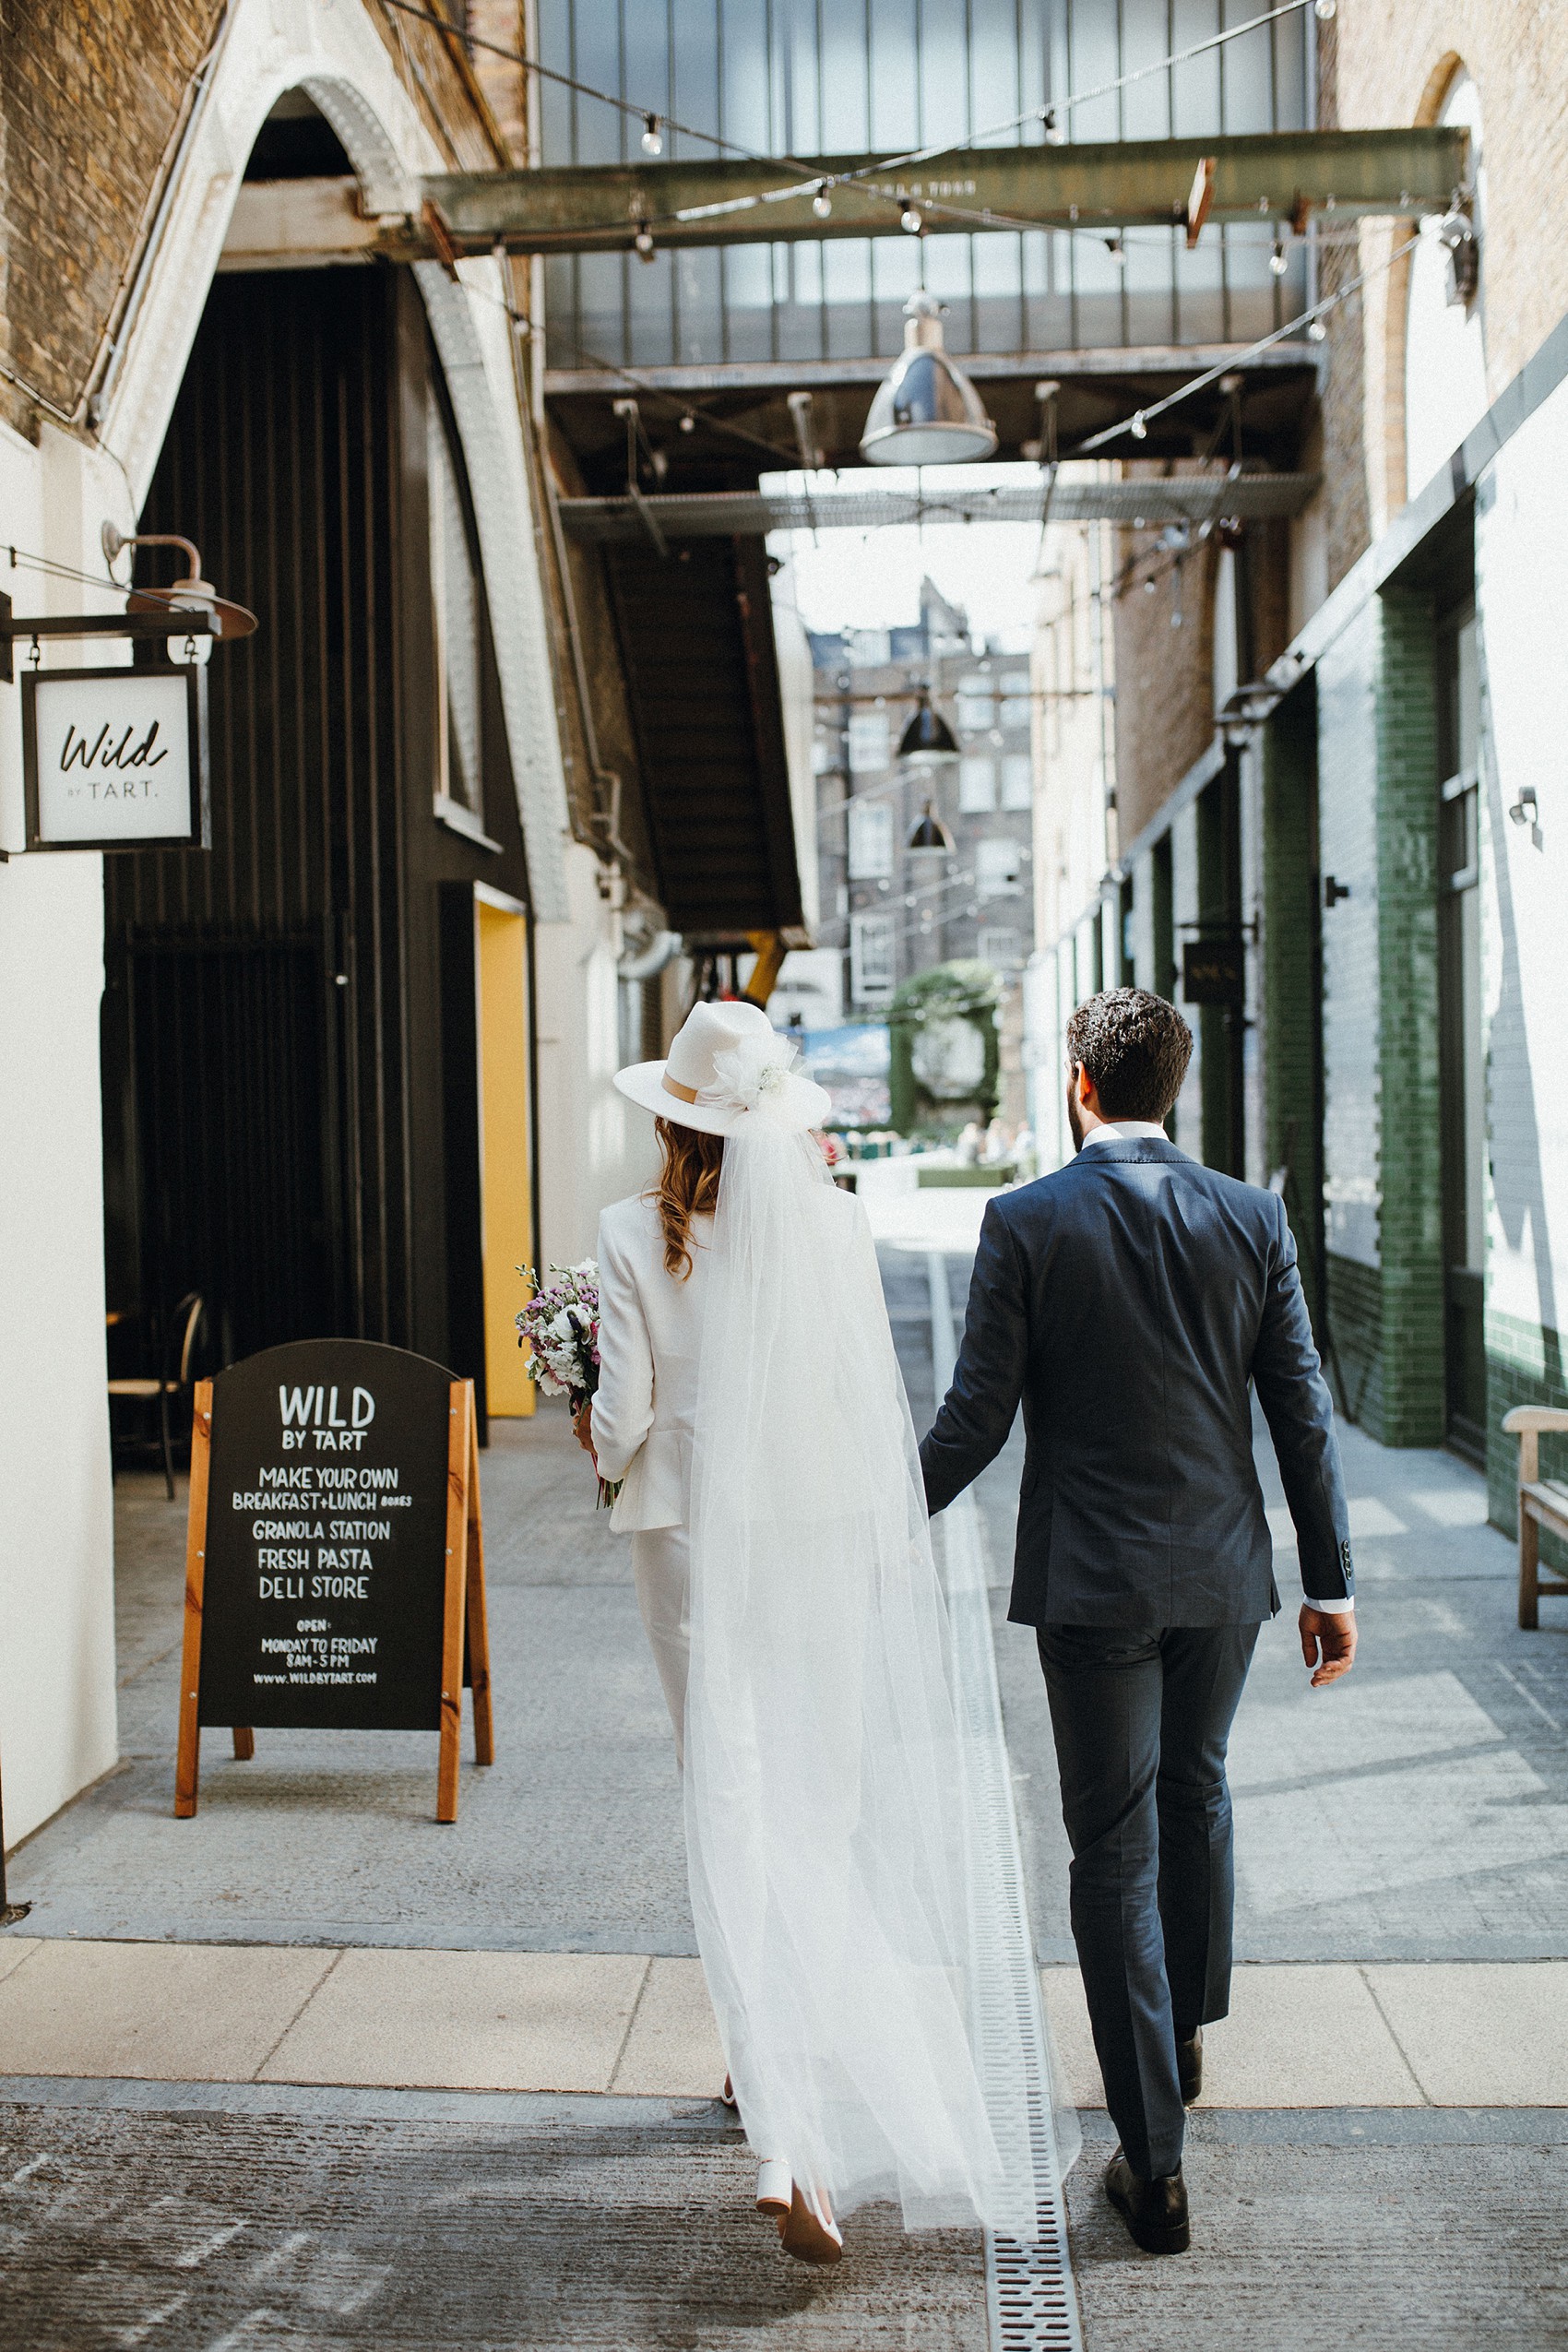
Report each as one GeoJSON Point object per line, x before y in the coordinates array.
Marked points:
{"type": "Point", "coordinates": [1126, 1301]}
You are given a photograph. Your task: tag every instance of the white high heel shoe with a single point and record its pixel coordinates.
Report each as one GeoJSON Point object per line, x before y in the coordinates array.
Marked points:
{"type": "Point", "coordinates": [806, 2226]}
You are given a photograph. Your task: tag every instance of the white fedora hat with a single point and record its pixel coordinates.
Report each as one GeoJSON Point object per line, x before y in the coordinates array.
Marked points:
{"type": "Point", "coordinates": [687, 1088]}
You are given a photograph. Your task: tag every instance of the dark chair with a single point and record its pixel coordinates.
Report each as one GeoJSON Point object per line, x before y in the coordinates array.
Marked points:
{"type": "Point", "coordinates": [180, 1332]}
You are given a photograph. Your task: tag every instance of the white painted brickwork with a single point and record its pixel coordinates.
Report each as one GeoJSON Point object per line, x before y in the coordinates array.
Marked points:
{"type": "Point", "coordinates": [1347, 832]}
{"type": "Point", "coordinates": [1521, 594]}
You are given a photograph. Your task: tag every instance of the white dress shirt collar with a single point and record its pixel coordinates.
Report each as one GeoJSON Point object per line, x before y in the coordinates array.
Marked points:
{"type": "Point", "coordinates": [1126, 1131]}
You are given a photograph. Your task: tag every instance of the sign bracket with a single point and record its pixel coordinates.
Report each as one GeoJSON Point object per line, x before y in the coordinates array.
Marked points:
{"type": "Point", "coordinates": [190, 622]}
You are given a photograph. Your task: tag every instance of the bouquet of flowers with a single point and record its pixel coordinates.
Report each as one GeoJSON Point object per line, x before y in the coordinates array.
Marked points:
{"type": "Point", "coordinates": [560, 1327]}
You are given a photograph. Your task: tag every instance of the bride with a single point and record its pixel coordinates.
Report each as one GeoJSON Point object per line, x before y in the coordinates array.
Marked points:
{"type": "Point", "coordinates": [750, 1400]}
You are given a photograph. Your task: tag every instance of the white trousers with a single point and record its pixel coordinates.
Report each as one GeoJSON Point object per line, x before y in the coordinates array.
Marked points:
{"type": "Point", "coordinates": [661, 1565]}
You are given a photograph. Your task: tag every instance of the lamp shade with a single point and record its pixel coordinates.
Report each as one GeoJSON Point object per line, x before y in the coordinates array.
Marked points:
{"type": "Point", "coordinates": [927, 737]}
{"type": "Point", "coordinates": [931, 834]}
{"type": "Point", "coordinates": [926, 412]}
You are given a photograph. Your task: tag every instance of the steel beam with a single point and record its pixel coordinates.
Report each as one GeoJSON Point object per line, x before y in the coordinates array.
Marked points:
{"type": "Point", "coordinates": [1276, 175]}
{"type": "Point", "coordinates": [1140, 503]}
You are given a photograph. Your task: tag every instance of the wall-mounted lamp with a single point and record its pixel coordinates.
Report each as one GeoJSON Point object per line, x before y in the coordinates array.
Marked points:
{"type": "Point", "coordinates": [189, 594]}
{"type": "Point", "coordinates": [1525, 811]}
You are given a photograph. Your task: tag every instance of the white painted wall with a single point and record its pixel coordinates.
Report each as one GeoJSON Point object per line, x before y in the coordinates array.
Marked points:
{"type": "Point", "coordinates": [595, 1146]}
{"type": "Point", "coordinates": [58, 1713]}
{"type": "Point", "coordinates": [1522, 600]}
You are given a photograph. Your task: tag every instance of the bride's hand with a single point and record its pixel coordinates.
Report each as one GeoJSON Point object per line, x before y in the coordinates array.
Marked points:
{"type": "Point", "coordinates": [583, 1423]}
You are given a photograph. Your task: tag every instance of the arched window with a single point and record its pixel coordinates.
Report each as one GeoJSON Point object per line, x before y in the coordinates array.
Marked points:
{"type": "Point", "coordinates": [1445, 390]}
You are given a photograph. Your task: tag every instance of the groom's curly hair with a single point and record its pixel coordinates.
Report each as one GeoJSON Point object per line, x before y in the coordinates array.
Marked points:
{"type": "Point", "coordinates": [1135, 1047]}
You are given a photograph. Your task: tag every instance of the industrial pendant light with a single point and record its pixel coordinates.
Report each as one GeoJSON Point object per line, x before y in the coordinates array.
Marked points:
{"type": "Point", "coordinates": [931, 834]}
{"type": "Point", "coordinates": [926, 412]}
{"type": "Point", "coordinates": [928, 739]}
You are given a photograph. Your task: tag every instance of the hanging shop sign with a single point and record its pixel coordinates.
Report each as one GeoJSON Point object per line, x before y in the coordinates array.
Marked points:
{"type": "Point", "coordinates": [1213, 971]}
{"type": "Point", "coordinates": [116, 759]}
{"type": "Point", "coordinates": [335, 1558]}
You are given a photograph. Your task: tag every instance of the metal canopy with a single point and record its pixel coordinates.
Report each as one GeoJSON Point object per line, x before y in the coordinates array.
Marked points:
{"type": "Point", "coordinates": [1190, 499]}
{"type": "Point", "coordinates": [1109, 184]}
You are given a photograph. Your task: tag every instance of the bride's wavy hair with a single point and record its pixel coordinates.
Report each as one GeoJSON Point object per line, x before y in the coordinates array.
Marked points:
{"type": "Point", "coordinates": [687, 1187]}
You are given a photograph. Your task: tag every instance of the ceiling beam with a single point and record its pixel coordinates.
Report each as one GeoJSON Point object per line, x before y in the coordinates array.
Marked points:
{"type": "Point", "coordinates": [1140, 503]}
{"type": "Point", "coordinates": [1277, 175]}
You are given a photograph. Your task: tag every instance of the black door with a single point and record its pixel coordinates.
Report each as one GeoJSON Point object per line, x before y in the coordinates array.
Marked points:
{"type": "Point", "coordinates": [230, 1153]}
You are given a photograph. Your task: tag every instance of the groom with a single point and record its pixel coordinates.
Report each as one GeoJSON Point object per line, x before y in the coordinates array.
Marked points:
{"type": "Point", "coordinates": [1126, 1303]}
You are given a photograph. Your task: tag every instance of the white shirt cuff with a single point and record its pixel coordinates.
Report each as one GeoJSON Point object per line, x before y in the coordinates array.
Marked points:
{"type": "Point", "coordinates": [1339, 1608]}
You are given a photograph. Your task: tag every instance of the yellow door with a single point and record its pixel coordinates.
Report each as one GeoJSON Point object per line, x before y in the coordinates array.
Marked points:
{"type": "Point", "coordinates": [505, 1157]}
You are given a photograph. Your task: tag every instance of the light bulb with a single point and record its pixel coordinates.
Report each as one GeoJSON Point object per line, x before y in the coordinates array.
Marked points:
{"type": "Point", "coordinates": [910, 219]}
{"type": "Point", "coordinates": [653, 138]}
{"type": "Point", "coordinates": [1139, 429]}
{"type": "Point", "coordinates": [688, 423]}
{"type": "Point", "coordinates": [1277, 260]}
{"type": "Point", "coordinates": [644, 242]}
{"type": "Point", "coordinates": [1325, 10]}
{"type": "Point", "coordinates": [1316, 331]}
{"type": "Point", "coordinates": [1150, 584]}
{"type": "Point", "coordinates": [822, 203]}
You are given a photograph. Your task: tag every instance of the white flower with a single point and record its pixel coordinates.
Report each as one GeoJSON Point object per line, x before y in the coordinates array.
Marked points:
{"type": "Point", "coordinates": [747, 1074]}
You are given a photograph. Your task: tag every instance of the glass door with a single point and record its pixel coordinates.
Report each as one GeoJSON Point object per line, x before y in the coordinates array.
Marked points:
{"type": "Point", "coordinates": [1462, 1051]}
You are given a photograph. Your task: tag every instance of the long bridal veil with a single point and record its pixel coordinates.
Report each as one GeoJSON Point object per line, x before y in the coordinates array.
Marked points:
{"type": "Point", "coordinates": [844, 1895]}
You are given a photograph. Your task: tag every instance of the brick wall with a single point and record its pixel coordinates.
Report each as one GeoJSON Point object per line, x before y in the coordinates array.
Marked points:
{"type": "Point", "coordinates": [1392, 61]}
{"type": "Point", "coordinates": [1165, 693]}
{"type": "Point", "coordinates": [1410, 1213]}
{"type": "Point", "coordinates": [90, 93]}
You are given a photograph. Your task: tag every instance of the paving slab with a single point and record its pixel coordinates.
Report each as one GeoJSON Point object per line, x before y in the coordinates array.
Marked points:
{"type": "Point", "coordinates": [202, 2011]}
{"type": "Point", "coordinates": [196, 2229]}
{"type": "Point", "coordinates": [672, 2049]}
{"type": "Point", "coordinates": [13, 1950]}
{"type": "Point", "coordinates": [464, 2020]}
{"type": "Point", "coordinates": [1480, 2037]}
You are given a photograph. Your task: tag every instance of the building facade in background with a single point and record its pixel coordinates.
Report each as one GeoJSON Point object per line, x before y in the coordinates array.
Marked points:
{"type": "Point", "coordinates": [922, 861]}
{"type": "Point", "coordinates": [1335, 822]}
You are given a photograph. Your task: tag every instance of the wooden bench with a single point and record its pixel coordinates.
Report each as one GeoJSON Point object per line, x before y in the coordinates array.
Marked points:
{"type": "Point", "coordinates": [1543, 1502]}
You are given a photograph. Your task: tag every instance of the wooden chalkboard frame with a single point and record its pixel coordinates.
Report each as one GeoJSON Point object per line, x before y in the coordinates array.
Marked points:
{"type": "Point", "coordinates": [465, 1619]}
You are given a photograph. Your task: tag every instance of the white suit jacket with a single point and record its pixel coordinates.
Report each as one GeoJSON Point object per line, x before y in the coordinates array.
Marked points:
{"type": "Point", "coordinates": [649, 1341]}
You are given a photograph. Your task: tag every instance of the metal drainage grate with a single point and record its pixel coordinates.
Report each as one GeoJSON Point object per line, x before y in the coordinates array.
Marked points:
{"type": "Point", "coordinates": [1029, 2288]}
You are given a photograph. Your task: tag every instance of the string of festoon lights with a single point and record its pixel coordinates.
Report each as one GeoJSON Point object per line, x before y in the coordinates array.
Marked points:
{"type": "Point", "coordinates": [1053, 118]}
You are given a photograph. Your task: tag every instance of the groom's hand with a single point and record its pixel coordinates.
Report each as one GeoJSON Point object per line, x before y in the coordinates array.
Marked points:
{"type": "Point", "coordinates": [1328, 1642]}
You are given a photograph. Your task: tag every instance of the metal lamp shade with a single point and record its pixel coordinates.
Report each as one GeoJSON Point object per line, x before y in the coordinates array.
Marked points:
{"type": "Point", "coordinates": [928, 738]}
{"type": "Point", "coordinates": [931, 834]}
{"type": "Point", "coordinates": [926, 412]}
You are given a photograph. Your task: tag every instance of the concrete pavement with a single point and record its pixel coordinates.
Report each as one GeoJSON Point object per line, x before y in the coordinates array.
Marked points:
{"type": "Point", "coordinates": [311, 2069]}
{"type": "Point", "coordinates": [1326, 2035]}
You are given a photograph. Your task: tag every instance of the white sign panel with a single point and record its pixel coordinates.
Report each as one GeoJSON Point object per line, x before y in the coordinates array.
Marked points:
{"type": "Point", "coordinates": [116, 759]}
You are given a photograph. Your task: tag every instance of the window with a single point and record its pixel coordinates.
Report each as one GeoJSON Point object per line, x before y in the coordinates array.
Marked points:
{"type": "Point", "coordinates": [998, 865]}
{"type": "Point", "coordinates": [453, 587]}
{"type": "Point", "coordinates": [1016, 710]}
{"type": "Point", "coordinates": [869, 752]}
{"type": "Point", "coordinates": [999, 949]}
{"type": "Point", "coordinates": [1018, 780]}
{"type": "Point", "coordinates": [977, 784]}
{"type": "Point", "coordinates": [874, 953]}
{"type": "Point", "coordinates": [977, 704]}
{"type": "Point", "coordinates": [871, 841]}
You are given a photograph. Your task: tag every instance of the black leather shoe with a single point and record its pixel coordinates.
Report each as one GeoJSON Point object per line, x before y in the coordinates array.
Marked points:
{"type": "Point", "coordinates": [1190, 2066]}
{"type": "Point", "coordinates": [1154, 2211]}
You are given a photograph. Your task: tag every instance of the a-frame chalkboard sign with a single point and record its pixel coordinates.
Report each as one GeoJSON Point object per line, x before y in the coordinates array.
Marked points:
{"type": "Point", "coordinates": [334, 1560]}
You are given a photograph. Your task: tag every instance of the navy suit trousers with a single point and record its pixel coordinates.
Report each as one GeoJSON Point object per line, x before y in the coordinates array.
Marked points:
{"type": "Point", "coordinates": [1142, 1721]}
